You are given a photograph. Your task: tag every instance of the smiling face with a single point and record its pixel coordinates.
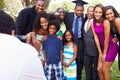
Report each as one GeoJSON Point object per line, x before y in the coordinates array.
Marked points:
{"type": "Point", "coordinates": [61, 13]}
{"type": "Point", "coordinates": [40, 6]}
{"type": "Point", "coordinates": [68, 36]}
{"type": "Point", "coordinates": [98, 13]}
{"type": "Point", "coordinates": [90, 12]}
{"type": "Point", "coordinates": [79, 10]}
{"type": "Point", "coordinates": [52, 29]}
{"type": "Point", "coordinates": [44, 23]}
{"type": "Point", "coordinates": [109, 14]}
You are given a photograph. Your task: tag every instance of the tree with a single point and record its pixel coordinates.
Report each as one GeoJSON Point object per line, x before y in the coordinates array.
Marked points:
{"type": "Point", "coordinates": [69, 6]}
{"type": "Point", "coordinates": [66, 4]}
{"type": "Point", "coordinates": [94, 2]}
{"type": "Point", "coordinates": [13, 7]}
{"type": "Point", "coordinates": [28, 3]}
{"type": "Point", "coordinates": [2, 3]}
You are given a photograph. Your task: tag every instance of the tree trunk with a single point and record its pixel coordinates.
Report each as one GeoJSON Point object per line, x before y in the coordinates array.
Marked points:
{"type": "Point", "coordinates": [29, 3]}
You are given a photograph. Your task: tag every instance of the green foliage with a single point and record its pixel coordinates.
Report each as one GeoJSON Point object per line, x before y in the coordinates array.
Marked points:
{"type": "Point", "coordinates": [69, 6]}
{"type": "Point", "coordinates": [94, 2]}
{"type": "Point", "coordinates": [2, 3]}
{"type": "Point", "coordinates": [114, 72]}
{"type": "Point", "coordinates": [54, 4]}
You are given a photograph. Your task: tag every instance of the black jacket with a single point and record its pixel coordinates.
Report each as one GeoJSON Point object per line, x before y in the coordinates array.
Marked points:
{"type": "Point", "coordinates": [69, 19]}
{"type": "Point", "coordinates": [25, 20]}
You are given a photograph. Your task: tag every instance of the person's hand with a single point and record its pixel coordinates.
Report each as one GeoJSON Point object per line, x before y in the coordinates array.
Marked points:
{"type": "Point", "coordinates": [44, 38]}
{"type": "Point", "coordinates": [115, 40]}
{"type": "Point", "coordinates": [43, 62]}
{"type": "Point", "coordinates": [34, 40]}
{"type": "Point", "coordinates": [13, 33]}
{"type": "Point", "coordinates": [100, 57]}
{"type": "Point", "coordinates": [103, 57]}
{"type": "Point", "coordinates": [66, 64]}
{"type": "Point", "coordinates": [60, 37]}
{"type": "Point", "coordinates": [28, 38]}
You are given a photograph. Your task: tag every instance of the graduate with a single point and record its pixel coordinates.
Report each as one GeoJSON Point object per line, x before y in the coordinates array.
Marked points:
{"type": "Point", "coordinates": [74, 21]}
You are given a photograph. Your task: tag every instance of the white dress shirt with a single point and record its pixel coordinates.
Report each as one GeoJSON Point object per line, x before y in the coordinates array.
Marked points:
{"type": "Point", "coordinates": [87, 23]}
{"type": "Point", "coordinates": [19, 61]}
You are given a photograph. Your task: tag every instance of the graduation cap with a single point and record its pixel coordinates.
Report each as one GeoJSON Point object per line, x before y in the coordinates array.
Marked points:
{"type": "Point", "coordinates": [79, 2]}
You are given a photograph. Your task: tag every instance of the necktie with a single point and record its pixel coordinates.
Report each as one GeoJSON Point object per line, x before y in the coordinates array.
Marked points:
{"type": "Point", "coordinates": [88, 26]}
{"type": "Point", "coordinates": [76, 29]}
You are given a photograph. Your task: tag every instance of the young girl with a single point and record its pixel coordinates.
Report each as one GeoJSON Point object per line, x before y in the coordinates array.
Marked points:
{"type": "Point", "coordinates": [40, 30]}
{"type": "Point", "coordinates": [69, 56]}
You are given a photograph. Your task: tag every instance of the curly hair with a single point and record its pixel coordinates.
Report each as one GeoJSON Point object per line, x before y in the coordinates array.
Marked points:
{"type": "Point", "coordinates": [36, 24]}
{"type": "Point", "coordinates": [7, 23]}
{"type": "Point", "coordinates": [55, 23]}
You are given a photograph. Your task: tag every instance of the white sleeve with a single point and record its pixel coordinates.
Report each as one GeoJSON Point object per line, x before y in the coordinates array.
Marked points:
{"type": "Point", "coordinates": [32, 68]}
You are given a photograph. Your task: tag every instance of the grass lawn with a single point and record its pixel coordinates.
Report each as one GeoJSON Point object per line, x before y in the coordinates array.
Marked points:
{"type": "Point", "coordinates": [113, 72]}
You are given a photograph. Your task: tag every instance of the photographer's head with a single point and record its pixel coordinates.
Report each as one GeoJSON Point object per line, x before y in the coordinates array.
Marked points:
{"type": "Point", "coordinates": [7, 24]}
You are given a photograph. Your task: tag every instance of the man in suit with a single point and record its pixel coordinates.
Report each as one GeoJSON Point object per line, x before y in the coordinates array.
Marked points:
{"type": "Point", "coordinates": [90, 49]}
{"type": "Point", "coordinates": [74, 21]}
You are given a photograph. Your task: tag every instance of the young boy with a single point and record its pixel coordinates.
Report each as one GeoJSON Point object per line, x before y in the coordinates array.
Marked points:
{"type": "Point", "coordinates": [52, 47]}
